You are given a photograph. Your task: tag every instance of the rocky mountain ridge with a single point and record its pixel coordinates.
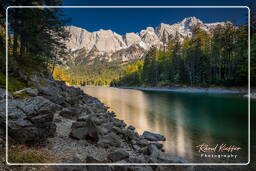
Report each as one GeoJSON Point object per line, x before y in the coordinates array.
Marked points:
{"type": "Point", "coordinates": [109, 46]}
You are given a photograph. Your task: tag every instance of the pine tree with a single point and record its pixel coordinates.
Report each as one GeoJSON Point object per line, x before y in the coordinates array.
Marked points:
{"type": "Point", "coordinates": [38, 34]}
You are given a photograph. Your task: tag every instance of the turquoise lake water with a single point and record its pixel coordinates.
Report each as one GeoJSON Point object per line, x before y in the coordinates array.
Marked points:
{"type": "Point", "coordinates": [185, 119]}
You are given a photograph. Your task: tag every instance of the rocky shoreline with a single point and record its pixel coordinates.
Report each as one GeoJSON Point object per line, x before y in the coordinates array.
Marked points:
{"type": "Point", "coordinates": [78, 128]}
{"type": "Point", "coordinates": [188, 89]}
{"type": "Point", "coordinates": [240, 91]}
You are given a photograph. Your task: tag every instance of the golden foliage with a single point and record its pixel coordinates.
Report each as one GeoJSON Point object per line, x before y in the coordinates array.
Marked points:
{"type": "Point", "coordinates": [59, 74]}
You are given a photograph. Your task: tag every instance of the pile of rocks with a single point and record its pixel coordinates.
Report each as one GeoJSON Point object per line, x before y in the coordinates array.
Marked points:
{"type": "Point", "coordinates": [30, 120]}
{"type": "Point", "coordinates": [71, 121]}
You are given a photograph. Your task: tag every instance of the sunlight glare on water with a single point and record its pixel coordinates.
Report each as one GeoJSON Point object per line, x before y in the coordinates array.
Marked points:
{"type": "Point", "coordinates": [185, 119]}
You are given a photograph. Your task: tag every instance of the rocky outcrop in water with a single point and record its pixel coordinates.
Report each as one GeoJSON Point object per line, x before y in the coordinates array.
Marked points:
{"type": "Point", "coordinates": [153, 136]}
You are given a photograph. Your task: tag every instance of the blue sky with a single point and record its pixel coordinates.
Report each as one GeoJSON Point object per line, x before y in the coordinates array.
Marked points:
{"type": "Point", "coordinates": [134, 20]}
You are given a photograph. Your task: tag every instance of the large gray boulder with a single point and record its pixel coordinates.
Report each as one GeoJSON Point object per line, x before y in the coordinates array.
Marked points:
{"type": "Point", "coordinates": [85, 130]}
{"type": "Point", "coordinates": [53, 94]}
{"type": "Point", "coordinates": [3, 94]}
{"type": "Point", "coordinates": [153, 136]}
{"type": "Point", "coordinates": [109, 140]}
{"type": "Point", "coordinates": [19, 123]}
{"type": "Point", "coordinates": [27, 135]}
{"type": "Point", "coordinates": [30, 120]}
{"type": "Point", "coordinates": [131, 135]}
{"type": "Point", "coordinates": [36, 106]}
{"type": "Point", "coordinates": [142, 142]}
{"type": "Point", "coordinates": [70, 113]}
{"type": "Point", "coordinates": [72, 91]}
{"type": "Point", "coordinates": [13, 111]}
{"type": "Point", "coordinates": [154, 153]}
{"type": "Point", "coordinates": [118, 155]}
{"type": "Point", "coordinates": [48, 91]}
{"type": "Point", "coordinates": [119, 123]}
{"type": "Point", "coordinates": [61, 94]}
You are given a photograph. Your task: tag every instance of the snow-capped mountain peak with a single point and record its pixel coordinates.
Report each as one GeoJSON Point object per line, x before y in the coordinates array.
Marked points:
{"type": "Point", "coordinates": [109, 44]}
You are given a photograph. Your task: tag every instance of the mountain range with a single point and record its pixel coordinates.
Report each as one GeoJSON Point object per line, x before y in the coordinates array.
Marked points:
{"type": "Point", "coordinates": [107, 45]}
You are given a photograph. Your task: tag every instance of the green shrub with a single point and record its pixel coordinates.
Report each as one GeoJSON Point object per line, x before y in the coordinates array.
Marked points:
{"type": "Point", "coordinates": [14, 84]}
{"type": "Point", "coordinates": [2, 80]}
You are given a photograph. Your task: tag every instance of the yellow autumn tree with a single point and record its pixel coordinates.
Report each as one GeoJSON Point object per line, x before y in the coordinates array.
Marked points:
{"type": "Point", "coordinates": [59, 74]}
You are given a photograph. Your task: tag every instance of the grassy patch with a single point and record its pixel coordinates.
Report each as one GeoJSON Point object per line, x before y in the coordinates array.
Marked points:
{"type": "Point", "coordinates": [14, 84]}
{"type": "Point", "coordinates": [42, 82]}
{"type": "Point", "coordinates": [24, 154]}
{"type": "Point", "coordinates": [2, 80]}
{"type": "Point", "coordinates": [36, 153]}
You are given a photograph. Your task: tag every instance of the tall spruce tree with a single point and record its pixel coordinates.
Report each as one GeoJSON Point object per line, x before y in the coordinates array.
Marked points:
{"type": "Point", "coordinates": [37, 35]}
